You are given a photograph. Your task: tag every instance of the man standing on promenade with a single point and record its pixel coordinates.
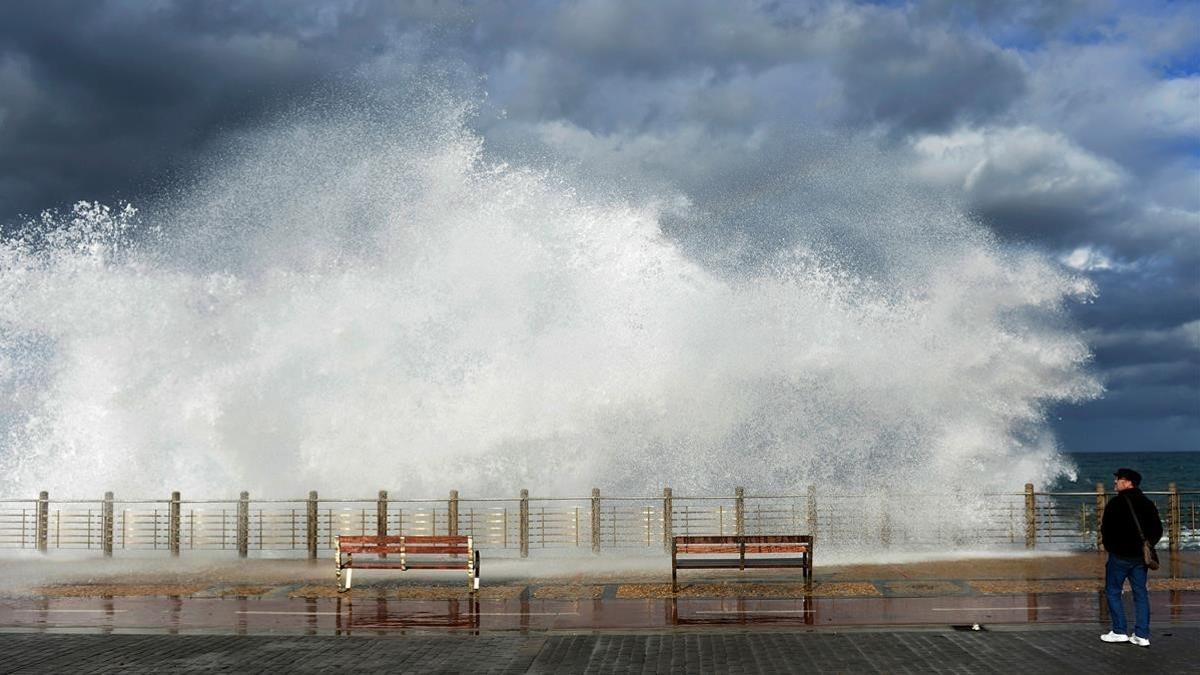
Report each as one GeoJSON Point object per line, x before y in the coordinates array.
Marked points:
{"type": "Point", "coordinates": [1123, 540]}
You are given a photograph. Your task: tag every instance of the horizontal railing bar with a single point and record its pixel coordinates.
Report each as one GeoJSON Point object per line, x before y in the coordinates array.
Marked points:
{"type": "Point", "coordinates": [1016, 496]}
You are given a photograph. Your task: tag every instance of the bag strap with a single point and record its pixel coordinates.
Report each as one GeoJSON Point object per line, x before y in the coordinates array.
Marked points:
{"type": "Point", "coordinates": [1136, 522]}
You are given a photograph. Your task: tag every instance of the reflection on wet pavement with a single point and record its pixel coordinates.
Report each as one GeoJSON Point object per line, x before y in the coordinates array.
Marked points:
{"type": "Point", "coordinates": [528, 613]}
{"type": "Point", "coordinates": [296, 598]}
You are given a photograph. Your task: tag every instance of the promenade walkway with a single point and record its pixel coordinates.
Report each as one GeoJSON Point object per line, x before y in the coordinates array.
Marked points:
{"type": "Point", "coordinates": [1042, 613]}
{"type": "Point", "coordinates": [1074, 650]}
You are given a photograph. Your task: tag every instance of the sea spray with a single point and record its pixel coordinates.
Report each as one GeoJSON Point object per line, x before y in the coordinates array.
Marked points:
{"type": "Point", "coordinates": [350, 301]}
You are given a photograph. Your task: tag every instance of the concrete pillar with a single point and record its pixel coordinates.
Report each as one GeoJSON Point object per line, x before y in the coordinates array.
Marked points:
{"type": "Point", "coordinates": [1174, 528]}
{"type": "Point", "coordinates": [524, 523]}
{"type": "Point", "coordinates": [173, 525]}
{"type": "Point", "coordinates": [42, 523]}
{"type": "Point", "coordinates": [668, 519]}
{"type": "Point", "coordinates": [311, 534]}
{"type": "Point", "coordinates": [595, 520]}
{"type": "Point", "coordinates": [243, 525]}
{"type": "Point", "coordinates": [381, 517]}
{"type": "Point", "coordinates": [1030, 517]}
{"type": "Point", "coordinates": [106, 525]}
{"type": "Point", "coordinates": [381, 514]}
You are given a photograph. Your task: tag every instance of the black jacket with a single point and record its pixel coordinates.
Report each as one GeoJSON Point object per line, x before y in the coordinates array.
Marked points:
{"type": "Point", "coordinates": [1117, 528]}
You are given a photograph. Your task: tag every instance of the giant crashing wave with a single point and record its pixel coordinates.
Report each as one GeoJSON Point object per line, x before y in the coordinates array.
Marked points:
{"type": "Point", "coordinates": [349, 301]}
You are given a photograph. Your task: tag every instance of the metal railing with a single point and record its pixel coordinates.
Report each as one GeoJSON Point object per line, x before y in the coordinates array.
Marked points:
{"type": "Point", "coordinates": [309, 526]}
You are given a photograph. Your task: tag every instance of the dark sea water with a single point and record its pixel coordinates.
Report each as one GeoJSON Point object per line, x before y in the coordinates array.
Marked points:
{"type": "Point", "coordinates": [1157, 469]}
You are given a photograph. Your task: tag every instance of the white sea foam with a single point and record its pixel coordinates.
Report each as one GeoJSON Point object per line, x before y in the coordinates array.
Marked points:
{"type": "Point", "coordinates": [353, 302]}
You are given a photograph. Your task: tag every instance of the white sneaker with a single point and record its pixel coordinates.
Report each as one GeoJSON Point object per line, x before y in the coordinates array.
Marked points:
{"type": "Point", "coordinates": [1117, 637]}
{"type": "Point", "coordinates": [1139, 641]}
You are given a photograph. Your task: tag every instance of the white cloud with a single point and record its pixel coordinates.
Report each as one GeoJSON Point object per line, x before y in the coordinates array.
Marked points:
{"type": "Point", "coordinates": [1172, 106]}
{"type": "Point", "coordinates": [1091, 259]}
{"type": "Point", "coordinates": [1112, 99]}
{"type": "Point", "coordinates": [1185, 335]}
{"type": "Point", "coordinates": [1190, 332]}
{"type": "Point", "coordinates": [1021, 164]}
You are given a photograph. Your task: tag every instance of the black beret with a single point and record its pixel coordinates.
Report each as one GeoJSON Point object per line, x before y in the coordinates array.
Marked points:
{"type": "Point", "coordinates": [1129, 474]}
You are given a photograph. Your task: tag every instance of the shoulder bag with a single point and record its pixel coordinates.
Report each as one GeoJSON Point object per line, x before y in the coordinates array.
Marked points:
{"type": "Point", "coordinates": [1148, 553]}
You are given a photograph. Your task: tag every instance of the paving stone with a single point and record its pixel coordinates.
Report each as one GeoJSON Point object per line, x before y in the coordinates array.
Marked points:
{"type": "Point", "coordinates": [1032, 650]}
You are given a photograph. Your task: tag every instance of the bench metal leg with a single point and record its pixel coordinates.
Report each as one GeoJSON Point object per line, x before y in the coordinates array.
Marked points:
{"type": "Point", "coordinates": [674, 566]}
{"type": "Point", "coordinates": [337, 562]}
{"type": "Point", "coordinates": [472, 567]}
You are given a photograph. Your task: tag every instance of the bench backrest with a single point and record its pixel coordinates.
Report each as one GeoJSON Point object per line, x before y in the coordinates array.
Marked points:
{"type": "Point", "coordinates": [760, 543]}
{"type": "Point", "coordinates": [411, 544]}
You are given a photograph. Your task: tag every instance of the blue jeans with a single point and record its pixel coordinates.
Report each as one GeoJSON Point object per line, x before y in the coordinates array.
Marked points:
{"type": "Point", "coordinates": [1115, 573]}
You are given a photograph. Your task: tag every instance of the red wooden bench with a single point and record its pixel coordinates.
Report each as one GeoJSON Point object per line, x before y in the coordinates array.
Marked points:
{"type": "Point", "coordinates": [412, 552]}
{"type": "Point", "coordinates": [753, 551]}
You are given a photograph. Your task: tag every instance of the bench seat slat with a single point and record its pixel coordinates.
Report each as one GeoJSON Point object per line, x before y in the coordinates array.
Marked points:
{"type": "Point", "coordinates": [398, 538]}
{"type": "Point", "coordinates": [741, 552]}
{"type": "Point", "coordinates": [435, 550]}
{"type": "Point", "coordinates": [355, 548]}
{"type": "Point", "coordinates": [370, 539]}
{"type": "Point", "coordinates": [411, 564]}
{"type": "Point", "coordinates": [725, 563]}
{"type": "Point", "coordinates": [733, 548]}
{"type": "Point", "coordinates": [748, 538]}
{"type": "Point", "coordinates": [435, 565]}
{"type": "Point", "coordinates": [376, 565]}
{"type": "Point", "coordinates": [438, 539]}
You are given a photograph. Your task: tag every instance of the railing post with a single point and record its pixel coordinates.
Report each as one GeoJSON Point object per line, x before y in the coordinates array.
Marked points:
{"type": "Point", "coordinates": [1101, 499]}
{"type": "Point", "coordinates": [1173, 524]}
{"type": "Point", "coordinates": [173, 525]}
{"type": "Point", "coordinates": [524, 524]}
{"type": "Point", "coordinates": [739, 511]}
{"type": "Point", "coordinates": [668, 519]}
{"type": "Point", "coordinates": [42, 524]}
{"type": "Point", "coordinates": [311, 534]}
{"type": "Point", "coordinates": [381, 517]}
{"type": "Point", "coordinates": [452, 515]}
{"type": "Point", "coordinates": [1030, 517]}
{"type": "Point", "coordinates": [595, 520]}
{"type": "Point", "coordinates": [106, 525]}
{"type": "Point", "coordinates": [243, 525]}
{"type": "Point", "coordinates": [811, 508]}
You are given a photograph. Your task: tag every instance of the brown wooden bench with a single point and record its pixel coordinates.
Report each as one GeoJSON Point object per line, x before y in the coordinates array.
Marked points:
{"type": "Point", "coordinates": [752, 551]}
{"type": "Point", "coordinates": [413, 552]}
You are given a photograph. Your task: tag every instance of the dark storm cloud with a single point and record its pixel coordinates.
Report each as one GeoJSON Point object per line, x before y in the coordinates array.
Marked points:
{"type": "Point", "coordinates": [100, 98]}
{"type": "Point", "coordinates": [915, 78]}
{"type": "Point", "coordinates": [889, 69]}
{"type": "Point", "coordinates": [1164, 433]}
{"type": "Point", "coordinates": [1013, 21]}
{"type": "Point", "coordinates": [103, 99]}
{"type": "Point", "coordinates": [1071, 127]}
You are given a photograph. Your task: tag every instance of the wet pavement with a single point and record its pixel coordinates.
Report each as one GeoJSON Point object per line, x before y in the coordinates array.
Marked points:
{"type": "Point", "coordinates": [1071, 650]}
{"type": "Point", "coordinates": [1031, 613]}
{"type": "Point", "coordinates": [387, 615]}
